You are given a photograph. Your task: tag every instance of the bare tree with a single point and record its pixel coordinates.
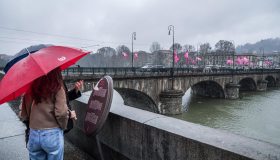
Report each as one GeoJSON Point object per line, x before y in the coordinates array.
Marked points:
{"type": "Point", "coordinates": [188, 47]}
{"type": "Point", "coordinates": [205, 48]}
{"type": "Point", "coordinates": [106, 51]}
{"type": "Point", "coordinates": [105, 56]}
{"type": "Point", "coordinates": [124, 56]}
{"type": "Point", "coordinates": [122, 48]}
{"type": "Point", "coordinates": [225, 47]}
{"type": "Point", "coordinates": [177, 47]}
{"type": "Point", "coordinates": [155, 47]}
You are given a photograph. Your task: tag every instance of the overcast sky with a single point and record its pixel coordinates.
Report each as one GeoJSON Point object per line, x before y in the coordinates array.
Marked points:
{"type": "Point", "coordinates": [97, 23]}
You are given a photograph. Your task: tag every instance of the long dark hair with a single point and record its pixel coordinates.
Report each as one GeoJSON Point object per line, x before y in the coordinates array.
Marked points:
{"type": "Point", "coordinates": [46, 86]}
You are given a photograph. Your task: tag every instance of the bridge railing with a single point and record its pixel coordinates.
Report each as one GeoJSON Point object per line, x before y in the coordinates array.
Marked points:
{"type": "Point", "coordinates": [148, 72]}
{"type": "Point", "coordinates": [140, 72]}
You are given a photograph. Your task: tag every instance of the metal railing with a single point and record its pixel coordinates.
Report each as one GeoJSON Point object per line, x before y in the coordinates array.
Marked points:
{"type": "Point", "coordinates": [129, 72]}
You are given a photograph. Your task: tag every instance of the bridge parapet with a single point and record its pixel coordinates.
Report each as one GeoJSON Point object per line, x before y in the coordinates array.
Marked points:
{"type": "Point", "coordinates": [131, 133]}
{"type": "Point", "coordinates": [128, 72]}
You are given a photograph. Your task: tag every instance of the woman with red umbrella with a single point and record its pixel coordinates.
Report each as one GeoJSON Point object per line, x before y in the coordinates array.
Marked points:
{"type": "Point", "coordinates": [25, 53]}
{"type": "Point", "coordinates": [38, 77]}
{"type": "Point", "coordinates": [46, 108]}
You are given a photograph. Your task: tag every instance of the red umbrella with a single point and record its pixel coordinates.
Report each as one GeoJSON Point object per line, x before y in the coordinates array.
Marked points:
{"type": "Point", "coordinates": [20, 76]}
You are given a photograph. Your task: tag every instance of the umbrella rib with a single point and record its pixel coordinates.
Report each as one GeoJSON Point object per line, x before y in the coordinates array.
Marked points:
{"type": "Point", "coordinates": [38, 64]}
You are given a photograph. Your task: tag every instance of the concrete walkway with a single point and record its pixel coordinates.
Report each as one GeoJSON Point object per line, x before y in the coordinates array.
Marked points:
{"type": "Point", "coordinates": [12, 142]}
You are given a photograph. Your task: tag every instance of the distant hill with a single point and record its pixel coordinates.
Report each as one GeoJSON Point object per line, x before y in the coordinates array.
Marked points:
{"type": "Point", "coordinates": [269, 45]}
{"type": "Point", "coordinates": [4, 59]}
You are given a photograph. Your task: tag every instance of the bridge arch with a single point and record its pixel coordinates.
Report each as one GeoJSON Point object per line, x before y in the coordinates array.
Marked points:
{"type": "Point", "coordinates": [137, 99]}
{"type": "Point", "coordinates": [208, 88]}
{"type": "Point", "coordinates": [247, 84]}
{"type": "Point", "coordinates": [271, 81]}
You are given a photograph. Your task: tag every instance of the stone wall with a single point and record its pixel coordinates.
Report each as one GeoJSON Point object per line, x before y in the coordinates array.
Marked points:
{"type": "Point", "coordinates": [131, 133]}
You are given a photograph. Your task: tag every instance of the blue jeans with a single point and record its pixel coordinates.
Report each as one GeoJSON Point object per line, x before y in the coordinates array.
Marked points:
{"type": "Point", "coordinates": [46, 144]}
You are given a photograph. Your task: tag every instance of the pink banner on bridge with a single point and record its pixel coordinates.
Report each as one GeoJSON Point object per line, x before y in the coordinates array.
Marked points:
{"type": "Point", "coordinates": [135, 55]}
{"type": "Point", "coordinates": [176, 58]}
{"type": "Point", "coordinates": [186, 55]}
{"type": "Point", "coordinates": [198, 58]}
{"type": "Point", "coordinates": [229, 62]}
{"type": "Point", "coordinates": [125, 55]}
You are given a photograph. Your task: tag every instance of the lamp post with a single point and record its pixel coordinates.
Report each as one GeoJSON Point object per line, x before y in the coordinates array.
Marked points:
{"type": "Point", "coordinates": [262, 57]}
{"type": "Point", "coordinates": [233, 53]}
{"type": "Point", "coordinates": [233, 67]}
{"type": "Point", "coordinates": [171, 28]}
{"type": "Point", "coordinates": [262, 49]}
{"type": "Point", "coordinates": [133, 37]}
{"type": "Point", "coordinates": [198, 52]}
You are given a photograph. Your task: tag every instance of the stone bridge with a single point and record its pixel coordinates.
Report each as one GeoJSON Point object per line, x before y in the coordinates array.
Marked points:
{"type": "Point", "coordinates": [160, 93]}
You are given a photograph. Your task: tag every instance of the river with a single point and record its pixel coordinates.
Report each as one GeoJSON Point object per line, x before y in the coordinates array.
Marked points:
{"type": "Point", "coordinates": [255, 115]}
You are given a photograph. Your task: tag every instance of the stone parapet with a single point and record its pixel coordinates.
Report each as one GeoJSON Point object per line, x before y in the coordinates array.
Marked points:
{"type": "Point", "coordinates": [131, 133]}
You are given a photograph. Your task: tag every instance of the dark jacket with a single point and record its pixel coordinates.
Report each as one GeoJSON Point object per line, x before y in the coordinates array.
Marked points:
{"type": "Point", "coordinates": [70, 95]}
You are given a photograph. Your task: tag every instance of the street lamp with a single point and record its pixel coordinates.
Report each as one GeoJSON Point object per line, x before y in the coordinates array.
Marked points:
{"type": "Point", "coordinates": [171, 28]}
{"type": "Point", "coordinates": [262, 57]}
{"type": "Point", "coordinates": [198, 52]}
{"type": "Point", "coordinates": [233, 67]}
{"type": "Point", "coordinates": [233, 53]}
{"type": "Point", "coordinates": [262, 49]}
{"type": "Point", "coordinates": [133, 37]}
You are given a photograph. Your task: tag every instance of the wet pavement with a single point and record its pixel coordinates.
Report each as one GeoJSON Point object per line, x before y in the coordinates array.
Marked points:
{"type": "Point", "coordinates": [12, 143]}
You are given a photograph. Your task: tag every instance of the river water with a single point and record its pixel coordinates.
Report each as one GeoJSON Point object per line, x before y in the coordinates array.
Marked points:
{"type": "Point", "coordinates": [255, 115]}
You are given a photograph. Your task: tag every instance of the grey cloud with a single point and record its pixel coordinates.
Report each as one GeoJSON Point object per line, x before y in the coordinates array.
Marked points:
{"type": "Point", "coordinates": [111, 22]}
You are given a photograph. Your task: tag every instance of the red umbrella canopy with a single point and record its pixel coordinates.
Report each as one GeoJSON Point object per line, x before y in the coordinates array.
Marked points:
{"type": "Point", "coordinates": [20, 76]}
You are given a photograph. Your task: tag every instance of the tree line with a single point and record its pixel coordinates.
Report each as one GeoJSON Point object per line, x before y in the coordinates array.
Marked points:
{"type": "Point", "coordinates": [122, 56]}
